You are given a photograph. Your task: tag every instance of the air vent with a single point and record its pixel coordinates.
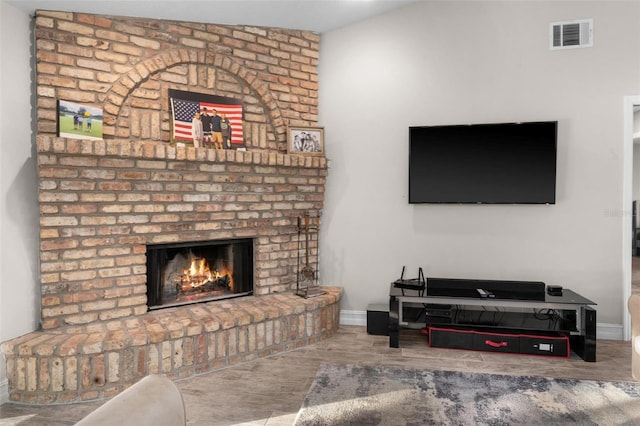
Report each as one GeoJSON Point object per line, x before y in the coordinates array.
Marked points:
{"type": "Point", "coordinates": [571, 34]}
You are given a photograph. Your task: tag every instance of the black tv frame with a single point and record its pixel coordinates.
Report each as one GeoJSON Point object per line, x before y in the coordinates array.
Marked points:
{"type": "Point", "coordinates": [486, 163]}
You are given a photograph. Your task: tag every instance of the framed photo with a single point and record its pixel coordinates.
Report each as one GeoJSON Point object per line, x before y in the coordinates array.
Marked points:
{"type": "Point", "coordinates": [305, 140]}
{"type": "Point", "coordinates": [206, 120]}
{"type": "Point", "coordinates": [79, 121]}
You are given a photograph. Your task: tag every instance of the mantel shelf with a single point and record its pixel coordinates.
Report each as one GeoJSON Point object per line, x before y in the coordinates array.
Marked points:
{"type": "Point", "coordinates": [164, 151]}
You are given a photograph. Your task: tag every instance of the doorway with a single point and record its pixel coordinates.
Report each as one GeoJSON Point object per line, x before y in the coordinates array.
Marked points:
{"type": "Point", "coordinates": [631, 129]}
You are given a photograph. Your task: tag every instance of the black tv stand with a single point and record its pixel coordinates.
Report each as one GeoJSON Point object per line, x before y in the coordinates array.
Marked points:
{"type": "Point", "coordinates": [572, 314]}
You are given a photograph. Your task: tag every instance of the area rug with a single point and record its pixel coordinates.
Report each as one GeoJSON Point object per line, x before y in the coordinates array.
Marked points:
{"type": "Point", "coordinates": [361, 395]}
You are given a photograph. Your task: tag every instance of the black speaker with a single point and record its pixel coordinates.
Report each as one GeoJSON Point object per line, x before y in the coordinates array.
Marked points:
{"type": "Point", "coordinates": [378, 320]}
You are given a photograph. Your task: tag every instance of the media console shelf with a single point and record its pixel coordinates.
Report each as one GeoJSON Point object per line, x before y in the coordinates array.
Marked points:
{"type": "Point", "coordinates": [497, 310]}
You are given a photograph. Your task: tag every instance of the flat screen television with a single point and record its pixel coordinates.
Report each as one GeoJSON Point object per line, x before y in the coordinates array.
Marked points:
{"type": "Point", "coordinates": [497, 163]}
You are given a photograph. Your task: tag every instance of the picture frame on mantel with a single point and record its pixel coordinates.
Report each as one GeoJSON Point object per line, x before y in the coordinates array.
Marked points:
{"type": "Point", "coordinates": [305, 140]}
{"type": "Point", "coordinates": [230, 117]}
{"type": "Point", "coordinates": [78, 121]}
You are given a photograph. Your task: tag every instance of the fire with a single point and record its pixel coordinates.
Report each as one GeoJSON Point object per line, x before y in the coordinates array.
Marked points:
{"type": "Point", "coordinates": [200, 277]}
{"type": "Point", "coordinates": [197, 274]}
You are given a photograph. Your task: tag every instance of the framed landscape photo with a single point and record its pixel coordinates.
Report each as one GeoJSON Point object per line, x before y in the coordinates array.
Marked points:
{"type": "Point", "coordinates": [79, 121]}
{"type": "Point", "coordinates": [305, 140]}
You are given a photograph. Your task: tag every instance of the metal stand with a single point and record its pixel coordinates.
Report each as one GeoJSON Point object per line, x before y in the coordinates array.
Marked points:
{"type": "Point", "coordinates": [307, 276]}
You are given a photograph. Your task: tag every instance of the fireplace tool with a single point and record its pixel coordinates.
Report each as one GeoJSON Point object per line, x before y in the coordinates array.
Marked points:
{"type": "Point", "coordinates": [306, 280]}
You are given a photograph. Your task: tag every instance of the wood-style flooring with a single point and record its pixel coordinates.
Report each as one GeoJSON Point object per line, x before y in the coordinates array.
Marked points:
{"type": "Point", "coordinates": [270, 391]}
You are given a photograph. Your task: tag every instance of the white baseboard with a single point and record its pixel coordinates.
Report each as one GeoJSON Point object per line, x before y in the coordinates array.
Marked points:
{"type": "Point", "coordinates": [603, 331]}
{"type": "Point", "coordinates": [4, 391]}
{"type": "Point", "coordinates": [353, 317]}
{"type": "Point", "coordinates": [609, 331]}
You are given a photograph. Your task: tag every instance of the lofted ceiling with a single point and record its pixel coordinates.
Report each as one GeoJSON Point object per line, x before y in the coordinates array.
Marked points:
{"type": "Point", "coordinates": [312, 15]}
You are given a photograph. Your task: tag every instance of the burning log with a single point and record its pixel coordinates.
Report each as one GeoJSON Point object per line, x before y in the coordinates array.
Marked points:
{"type": "Point", "coordinates": [191, 285]}
{"type": "Point", "coordinates": [195, 276]}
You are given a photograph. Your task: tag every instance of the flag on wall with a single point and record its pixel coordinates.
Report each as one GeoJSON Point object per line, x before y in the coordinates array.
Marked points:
{"type": "Point", "coordinates": [184, 105]}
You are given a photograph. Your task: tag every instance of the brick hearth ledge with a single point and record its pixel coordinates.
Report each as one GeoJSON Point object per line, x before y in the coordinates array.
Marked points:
{"type": "Point", "coordinates": [100, 360]}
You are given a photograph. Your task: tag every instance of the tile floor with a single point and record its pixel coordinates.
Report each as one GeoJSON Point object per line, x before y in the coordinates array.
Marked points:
{"type": "Point", "coordinates": [270, 391]}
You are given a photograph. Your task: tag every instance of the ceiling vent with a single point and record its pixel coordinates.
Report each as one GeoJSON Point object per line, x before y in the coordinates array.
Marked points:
{"type": "Point", "coordinates": [571, 34]}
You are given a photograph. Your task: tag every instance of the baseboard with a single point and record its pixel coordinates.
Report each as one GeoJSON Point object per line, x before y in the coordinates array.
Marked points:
{"type": "Point", "coordinates": [603, 331]}
{"type": "Point", "coordinates": [353, 317]}
{"type": "Point", "coordinates": [609, 331]}
{"type": "Point", "coordinates": [4, 391]}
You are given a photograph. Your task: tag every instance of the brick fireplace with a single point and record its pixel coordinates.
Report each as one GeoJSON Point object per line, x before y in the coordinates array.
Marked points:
{"type": "Point", "coordinates": [100, 211]}
{"type": "Point", "coordinates": [101, 208]}
{"type": "Point", "coordinates": [105, 205]}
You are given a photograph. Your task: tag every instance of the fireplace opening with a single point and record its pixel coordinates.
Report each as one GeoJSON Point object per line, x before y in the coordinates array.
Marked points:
{"type": "Point", "coordinates": [192, 272]}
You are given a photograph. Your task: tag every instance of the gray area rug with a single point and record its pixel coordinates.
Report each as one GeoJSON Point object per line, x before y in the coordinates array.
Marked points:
{"type": "Point", "coordinates": [361, 395]}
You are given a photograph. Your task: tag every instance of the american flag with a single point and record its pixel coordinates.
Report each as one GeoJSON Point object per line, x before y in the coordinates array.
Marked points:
{"type": "Point", "coordinates": [183, 112]}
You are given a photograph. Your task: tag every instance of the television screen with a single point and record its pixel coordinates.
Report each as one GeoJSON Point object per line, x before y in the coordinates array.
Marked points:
{"type": "Point", "coordinates": [503, 163]}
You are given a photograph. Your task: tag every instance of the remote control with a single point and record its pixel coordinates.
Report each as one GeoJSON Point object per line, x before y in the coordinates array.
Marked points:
{"type": "Point", "coordinates": [484, 293]}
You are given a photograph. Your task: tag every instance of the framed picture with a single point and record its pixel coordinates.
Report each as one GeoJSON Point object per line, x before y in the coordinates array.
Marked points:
{"type": "Point", "coordinates": [206, 120]}
{"type": "Point", "coordinates": [79, 121]}
{"type": "Point", "coordinates": [305, 140]}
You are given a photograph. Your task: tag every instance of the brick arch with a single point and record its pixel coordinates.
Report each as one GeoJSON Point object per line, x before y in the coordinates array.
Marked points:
{"type": "Point", "coordinates": [141, 72]}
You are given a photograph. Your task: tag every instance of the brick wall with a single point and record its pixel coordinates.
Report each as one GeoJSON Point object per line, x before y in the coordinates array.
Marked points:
{"type": "Point", "coordinates": [102, 201]}
{"type": "Point", "coordinates": [126, 66]}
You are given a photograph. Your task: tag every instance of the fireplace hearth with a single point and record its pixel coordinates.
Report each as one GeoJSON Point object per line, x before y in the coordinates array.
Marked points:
{"type": "Point", "coordinates": [193, 272]}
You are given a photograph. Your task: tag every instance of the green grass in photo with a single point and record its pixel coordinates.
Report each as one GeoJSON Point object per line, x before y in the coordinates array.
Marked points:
{"type": "Point", "coordinates": [66, 127]}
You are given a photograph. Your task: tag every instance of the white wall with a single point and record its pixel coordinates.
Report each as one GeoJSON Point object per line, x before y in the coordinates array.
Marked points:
{"type": "Point", "coordinates": [19, 288]}
{"type": "Point", "coordinates": [455, 62]}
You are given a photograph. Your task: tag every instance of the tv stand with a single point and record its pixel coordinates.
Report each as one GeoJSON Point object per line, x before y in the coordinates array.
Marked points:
{"type": "Point", "coordinates": [574, 315]}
